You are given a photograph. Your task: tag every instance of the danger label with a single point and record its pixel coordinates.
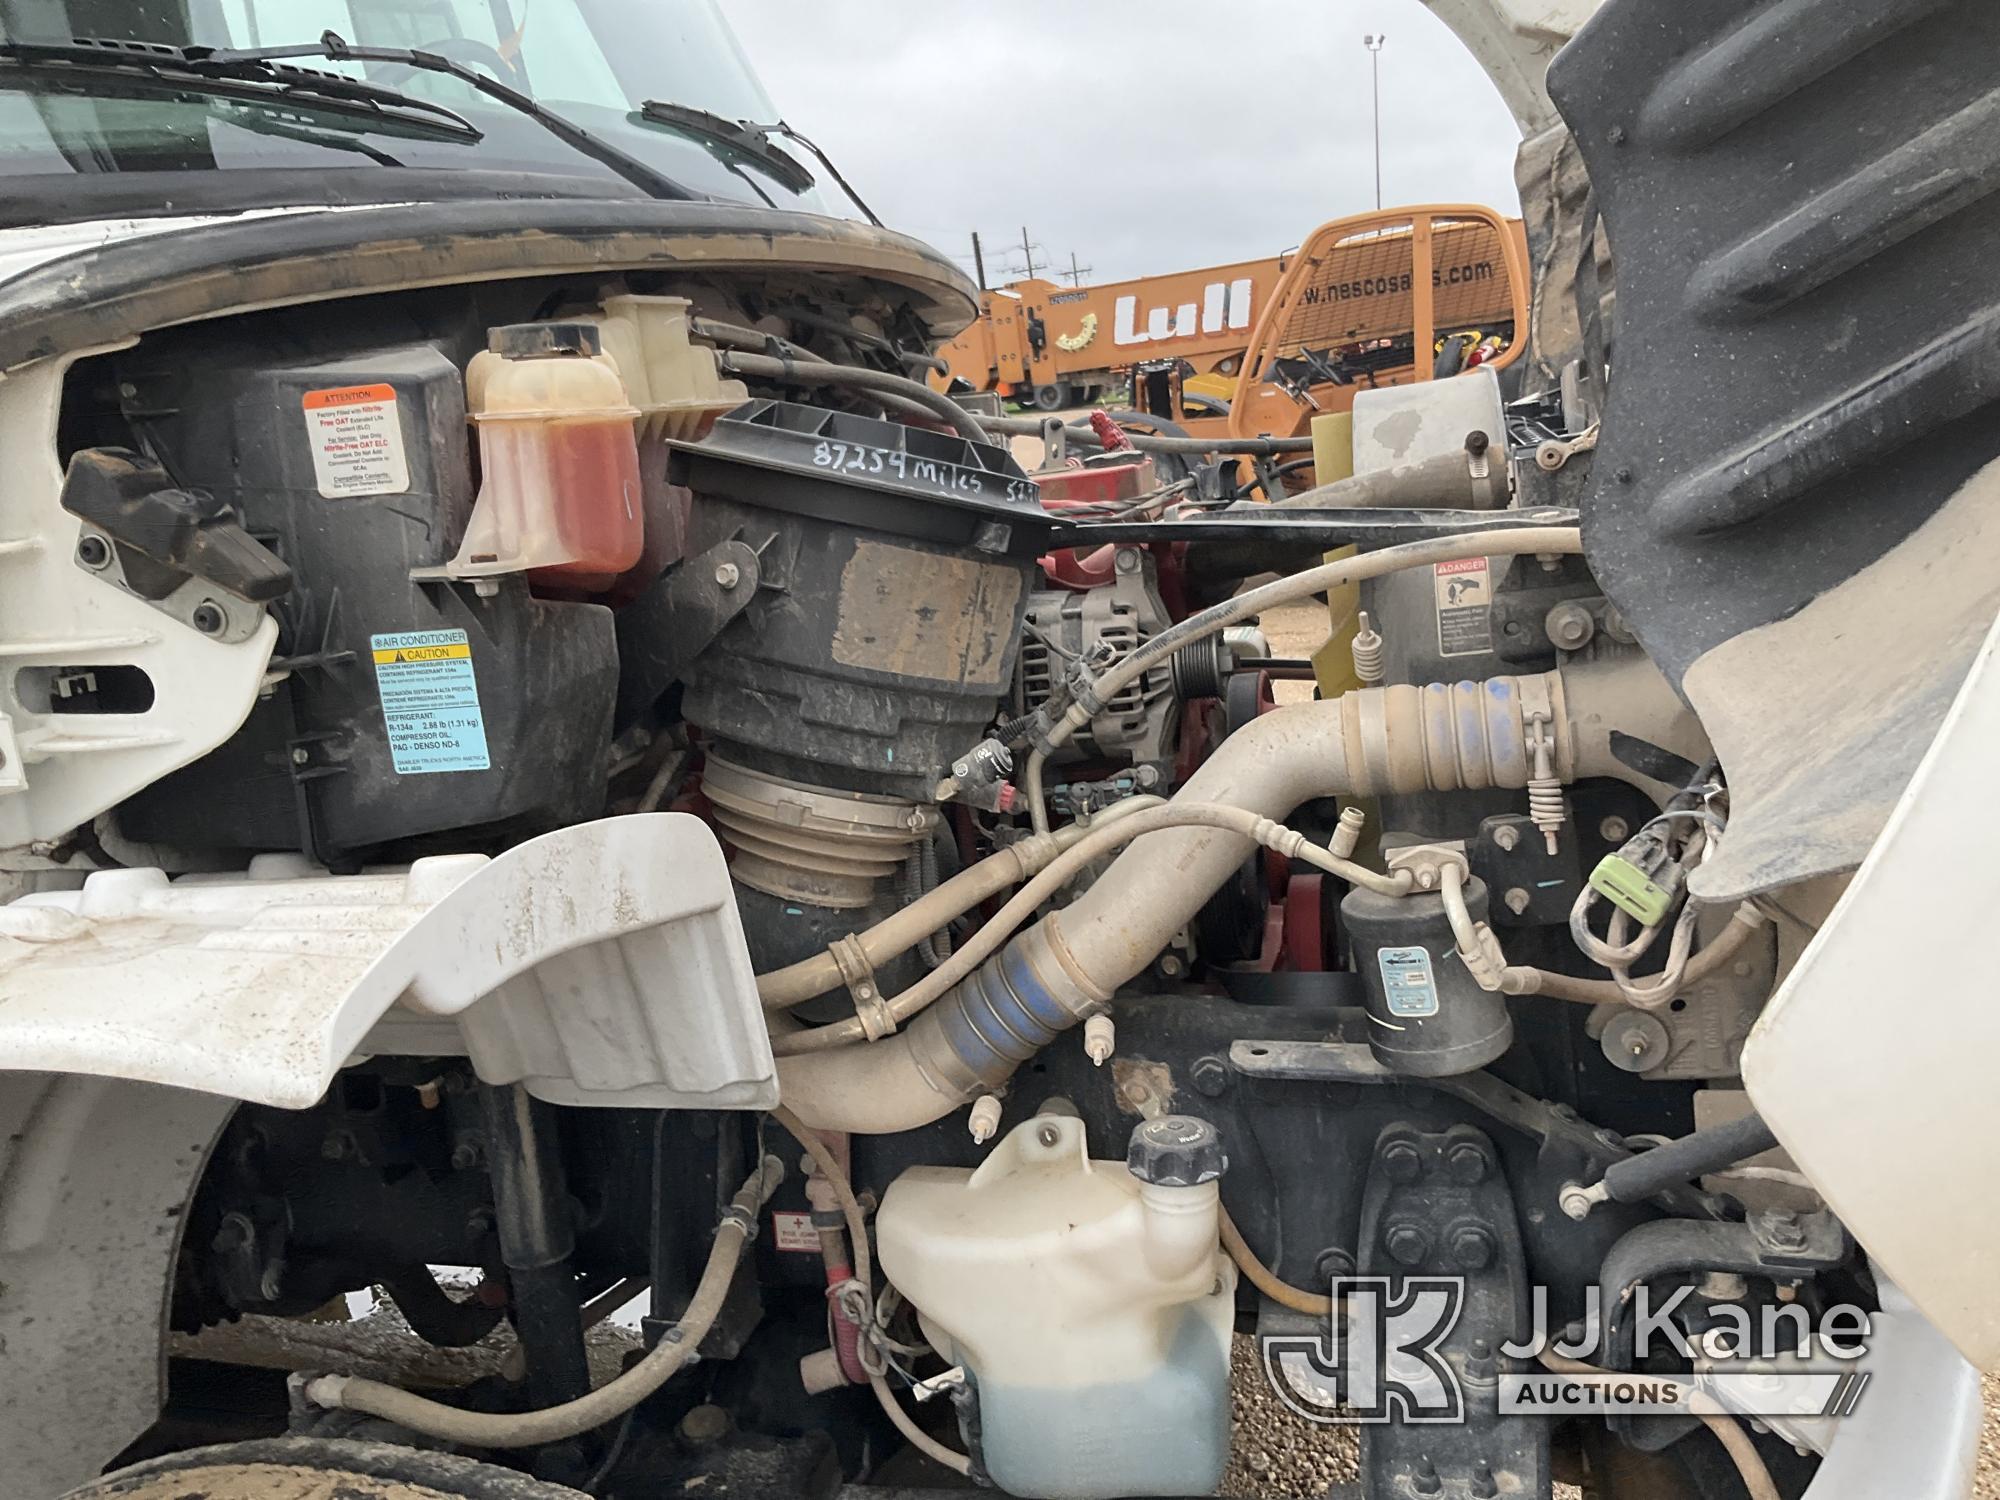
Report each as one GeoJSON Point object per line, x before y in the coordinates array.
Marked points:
{"type": "Point", "coordinates": [794, 1231]}
{"type": "Point", "coordinates": [357, 442]}
{"type": "Point", "coordinates": [1464, 596]}
{"type": "Point", "coordinates": [430, 701]}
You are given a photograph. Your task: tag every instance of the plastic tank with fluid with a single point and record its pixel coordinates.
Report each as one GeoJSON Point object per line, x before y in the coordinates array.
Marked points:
{"type": "Point", "coordinates": [1088, 1301]}
{"type": "Point", "coordinates": [560, 496]}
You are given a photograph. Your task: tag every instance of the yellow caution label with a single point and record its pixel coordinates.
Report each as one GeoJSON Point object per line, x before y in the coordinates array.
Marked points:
{"type": "Point", "coordinates": [422, 653]}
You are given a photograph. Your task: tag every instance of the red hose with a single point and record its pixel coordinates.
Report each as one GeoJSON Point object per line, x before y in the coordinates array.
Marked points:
{"type": "Point", "coordinates": [1110, 434]}
{"type": "Point", "coordinates": [846, 1334]}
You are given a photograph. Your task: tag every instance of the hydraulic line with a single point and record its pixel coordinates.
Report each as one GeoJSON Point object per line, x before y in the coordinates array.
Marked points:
{"type": "Point", "coordinates": [1532, 540]}
{"type": "Point", "coordinates": [1146, 442]}
{"type": "Point", "coordinates": [1055, 974]}
{"type": "Point", "coordinates": [552, 1424]}
{"type": "Point", "coordinates": [756, 341]}
{"type": "Point", "coordinates": [1261, 1276]}
{"type": "Point", "coordinates": [1029, 898]}
{"type": "Point", "coordinates": [897, 933]}
{"type": "Point", "coordinates": [864, 1272]}
{"type": "Point", "coordinates": [1525, 981]}
{"type": "Point", "coordinates": [1750, 1465]}
{"type": "Point", "coordinates": [1640, 1177]}
{"type": "Point", "coordinates": [857, 377]}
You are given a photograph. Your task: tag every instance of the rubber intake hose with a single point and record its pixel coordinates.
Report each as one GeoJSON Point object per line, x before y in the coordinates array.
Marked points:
{"type": "Point", "coordinates": [1640, 1177]}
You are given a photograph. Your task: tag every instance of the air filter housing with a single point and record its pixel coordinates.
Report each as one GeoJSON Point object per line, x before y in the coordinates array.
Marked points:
{"type": "Point", "coordinates": [894, 568]}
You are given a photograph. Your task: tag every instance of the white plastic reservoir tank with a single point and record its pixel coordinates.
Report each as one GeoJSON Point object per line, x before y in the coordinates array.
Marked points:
{"type": "Point", "coordinates": [1091, 1309]}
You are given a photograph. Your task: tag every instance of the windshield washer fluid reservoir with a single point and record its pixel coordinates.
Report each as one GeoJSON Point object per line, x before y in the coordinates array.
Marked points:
{"type": "Point", "coordinates": [1089, 1302]}
{"type": "Point", "coordinates": [559, 496]}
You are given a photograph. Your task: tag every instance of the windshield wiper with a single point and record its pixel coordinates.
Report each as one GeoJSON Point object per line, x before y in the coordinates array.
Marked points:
{"type": "Point", "coordinates": [188, 68]}
{"type": "Point", "coordinates": [336, 48]}
{"type": "Point", "coordinates": [754, 141]}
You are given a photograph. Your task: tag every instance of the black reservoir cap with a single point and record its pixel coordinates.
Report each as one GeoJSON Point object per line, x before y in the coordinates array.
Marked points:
{"type": "Point", "coordinates": [1176, 1151]}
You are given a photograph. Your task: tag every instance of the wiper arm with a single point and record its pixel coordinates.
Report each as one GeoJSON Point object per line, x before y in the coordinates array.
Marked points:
{"type": "Point", "coordinates": [336, 48]}
{"type": "Point", "coordinates": [754, 141]}
{"type": "Point", "coordinates": [188, 67]}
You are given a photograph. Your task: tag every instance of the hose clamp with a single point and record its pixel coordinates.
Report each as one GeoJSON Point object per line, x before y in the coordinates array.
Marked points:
{"type": "Point", "coordinates": [870, 1009]}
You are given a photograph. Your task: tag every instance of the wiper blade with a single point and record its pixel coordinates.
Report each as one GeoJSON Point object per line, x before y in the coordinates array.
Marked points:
{"type": "Point", "coordinates": [740, 135]}
{"type": "Point", "coordinates": [336, 48]}
{"type": "Point", "coordinates": [193, 67]}
{"type": "Point", "coordinates": [754, 141]}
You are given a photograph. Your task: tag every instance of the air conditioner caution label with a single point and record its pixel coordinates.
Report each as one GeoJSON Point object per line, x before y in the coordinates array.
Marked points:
{"type": "Point", "coordinates": [357, 442]}
{"type": "Point", "coordinates": [430, 701]}
{"type": "Point", "coordinates": [1464, 607]}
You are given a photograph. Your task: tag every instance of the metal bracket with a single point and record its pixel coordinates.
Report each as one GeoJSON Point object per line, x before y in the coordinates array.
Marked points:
{"type": "Point", "coordinates": [662, 631]}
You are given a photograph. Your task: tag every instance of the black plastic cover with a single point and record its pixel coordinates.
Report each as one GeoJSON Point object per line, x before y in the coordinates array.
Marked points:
{"type": "Point", "coordinates": [1788, 503]}
{"type": "Point", "coordinates": [835, 465]}
{"type": "Point", "coordinates": [319, 765]}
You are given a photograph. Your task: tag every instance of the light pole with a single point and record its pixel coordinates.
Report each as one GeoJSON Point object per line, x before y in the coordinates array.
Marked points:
{"type": "Point", "coordinates": [1374, 45]}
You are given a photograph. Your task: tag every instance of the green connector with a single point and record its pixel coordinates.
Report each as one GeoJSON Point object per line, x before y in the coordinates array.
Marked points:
{"type": "Point", "coordinates": [1631, 890]}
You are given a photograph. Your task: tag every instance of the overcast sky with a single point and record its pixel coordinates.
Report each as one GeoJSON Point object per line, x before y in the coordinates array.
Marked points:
{"type": "Point", "coordinates": [1142, 135]}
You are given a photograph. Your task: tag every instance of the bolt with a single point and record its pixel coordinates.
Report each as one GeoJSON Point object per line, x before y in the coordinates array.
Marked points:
{"type": "Point", "coordinates": [1783, 1231]}
{"type": "Point", "coordinates": [1467, 1162]}
{"type": "Point", "coordinates": [1575, 1201]}
{"type": "Point", "coordinates": [1209, 1075]}
{"type": "Point", "coordinates": [704, 1424]}
{"type": "Point", "coordinates": [1505, 837]}
{"type": "Point", "coordinates": [1623, 476]}
{"type": "Point", "coordinates": [1126, 559]}
{"type": "Point", "coordinates": [1516, 899]}
{"type": "Point", "coordinates": [301, 756]}
{"type": "Point", "coordinates": [1570, 626]}
{"type": "Point", "coordinates": [1049, 1136]}
{"type": "Point", "coordinates": [1472, 1247]}
{"type": "Point", "coordinates": [233, 1233]}
{"type": "Point", "coordinates": [1407, 1244]}
{"type": "Point", "coordinates": [1479, 1363]}
{"type": "Point", "coordinates": [1617, 135]}
{"type": "Point", "coordinates": [727, 576]}
{"type": "Point", "coordinates": [336, 1147]}
{"type": "Point", "coordinates": [1424, 1478]}
{"type": "Point", "coordinates": [1402, 1162]}
{"type": "Point", "coordinates": [1332, 1264]}
{"type": "Point", "coordinates": [465, 1156]}
{"type": "Point", "coordinates": [1171, 966]}
{"type": "Point", "coordinates": [93, 551]}
{"type": "Point", "coordinates": [1614, 830]}
{"type": "Point", "coordinates": [1482, 1480]}
{"type": "Point", "coordinates": [208, 617]}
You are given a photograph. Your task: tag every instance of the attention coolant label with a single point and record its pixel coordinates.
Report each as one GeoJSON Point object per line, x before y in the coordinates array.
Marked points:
{"type": "Point", "coordinates": [430, 701]}
{"type": "Point", "coordinates": [357, 442]}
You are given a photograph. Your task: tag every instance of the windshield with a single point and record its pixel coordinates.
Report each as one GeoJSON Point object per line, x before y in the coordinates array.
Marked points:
{"type": "Point", "coordinates": [594, 62]}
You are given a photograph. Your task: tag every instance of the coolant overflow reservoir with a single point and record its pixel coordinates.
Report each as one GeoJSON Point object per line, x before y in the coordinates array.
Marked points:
{"type": "Point", "coordinates": [1088, 1301]}
{"type": "Point", "coordinates": [559, 495]}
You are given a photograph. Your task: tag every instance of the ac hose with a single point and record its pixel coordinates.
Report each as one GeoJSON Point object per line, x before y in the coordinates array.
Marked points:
{"type": "Point", "coordinates": [1066, 967]}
